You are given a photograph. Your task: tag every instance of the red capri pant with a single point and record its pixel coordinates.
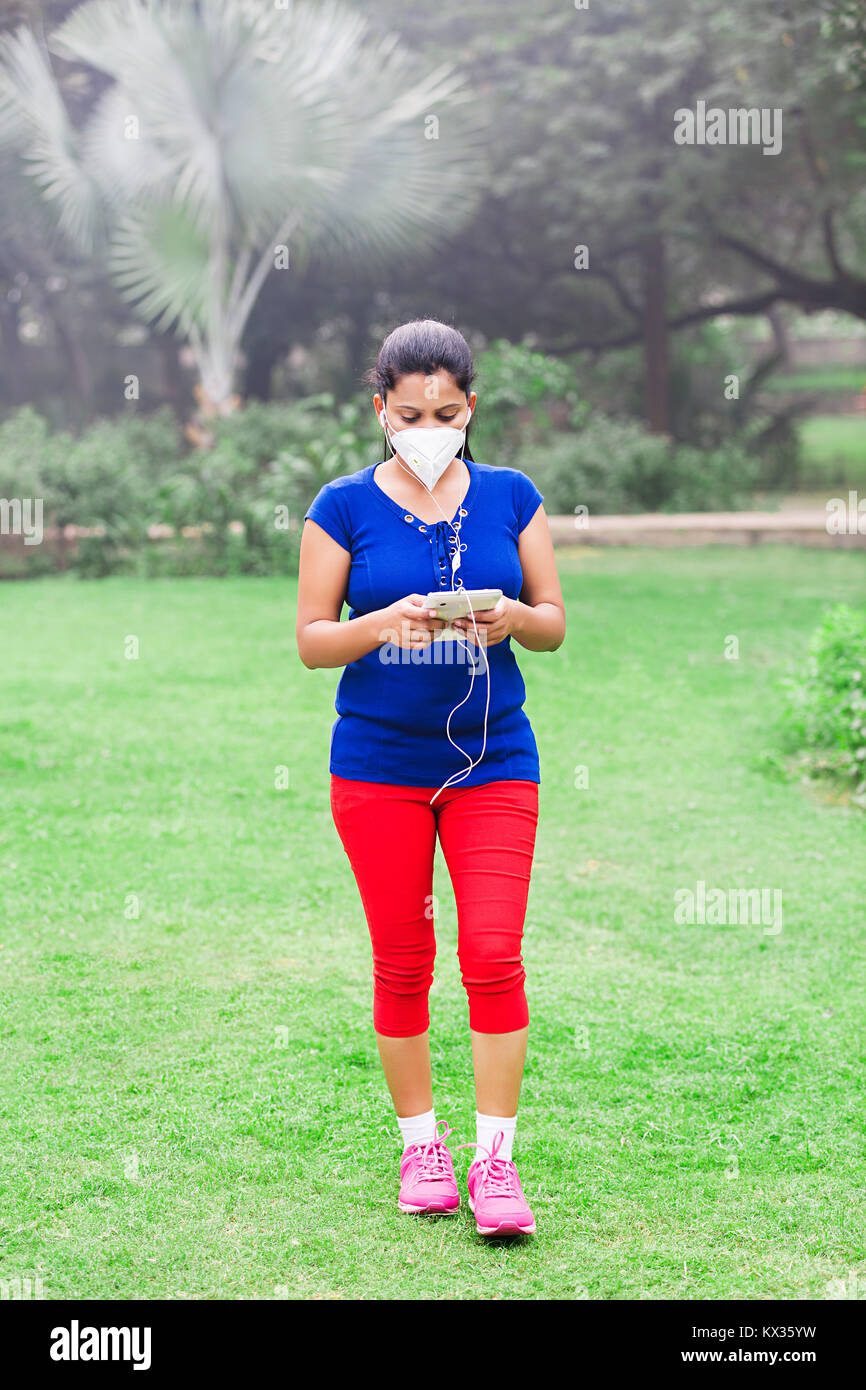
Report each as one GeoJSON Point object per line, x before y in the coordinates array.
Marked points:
{"type": "Point", "coordinates": [487, 834]}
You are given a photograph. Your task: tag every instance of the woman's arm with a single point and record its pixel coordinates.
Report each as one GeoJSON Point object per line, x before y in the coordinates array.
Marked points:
{"type": "Point", "coordinates": [537, 619]}
{"type": "Point", "coordinates": [538, 616]}
{"type": "Point", "coordinates": [323, 576]}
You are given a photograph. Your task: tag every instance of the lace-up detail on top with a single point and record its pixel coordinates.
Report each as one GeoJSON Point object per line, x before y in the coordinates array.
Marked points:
{"type": "Point", "coordinates": [500, 1174]}
{"type": "Point", "coordinates": [434, 1159]}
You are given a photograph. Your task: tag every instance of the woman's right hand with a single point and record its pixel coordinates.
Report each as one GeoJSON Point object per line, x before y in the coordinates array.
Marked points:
{"type": "Point", "coordinates": [408, 622]}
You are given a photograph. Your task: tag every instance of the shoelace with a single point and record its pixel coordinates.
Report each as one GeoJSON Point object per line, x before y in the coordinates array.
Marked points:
{"type": "Point", "coordinates": [500, 1174]}
{"type": "Point", "coordinates": [434, 1156]}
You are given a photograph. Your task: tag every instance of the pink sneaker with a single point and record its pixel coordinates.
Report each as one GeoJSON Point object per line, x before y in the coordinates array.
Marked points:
{"type": "Point", "coordinates": [427, 1181]}
{"type": "Point", "coordinates": [495, 1194]}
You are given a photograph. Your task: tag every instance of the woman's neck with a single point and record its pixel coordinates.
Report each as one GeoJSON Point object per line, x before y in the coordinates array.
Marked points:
{"type": "Point", "coordinates": [453, 483]}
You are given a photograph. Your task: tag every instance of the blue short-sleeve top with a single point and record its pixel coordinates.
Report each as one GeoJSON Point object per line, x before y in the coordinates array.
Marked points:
{"type": "Point", "coordinates": [393, 703]}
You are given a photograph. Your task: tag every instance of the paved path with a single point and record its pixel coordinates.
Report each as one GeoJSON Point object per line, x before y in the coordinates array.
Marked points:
{"type": "Point", "coordinates": [792, 525]}
{"type": "Point", "coordinates": [806, 526]}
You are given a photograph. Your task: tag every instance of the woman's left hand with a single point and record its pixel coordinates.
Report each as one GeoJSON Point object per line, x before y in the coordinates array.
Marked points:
{"type": "Point", "coordinates": [494, 624]}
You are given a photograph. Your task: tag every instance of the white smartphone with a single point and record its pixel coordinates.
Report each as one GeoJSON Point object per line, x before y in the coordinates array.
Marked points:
{"type": "Point", "coordinates": [456, 605]}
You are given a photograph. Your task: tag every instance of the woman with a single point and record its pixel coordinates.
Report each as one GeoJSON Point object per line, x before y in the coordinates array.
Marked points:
{"type": "Point", "coordinates": [415, 703]}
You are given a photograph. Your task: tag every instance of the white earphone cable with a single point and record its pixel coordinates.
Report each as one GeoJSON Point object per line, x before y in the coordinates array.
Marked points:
{"type": "Point", "coordinates": [456, 538]}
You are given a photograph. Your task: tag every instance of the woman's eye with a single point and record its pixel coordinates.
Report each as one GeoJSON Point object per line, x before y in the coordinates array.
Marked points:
{"type": "Point", "coordinates": [443, 419]}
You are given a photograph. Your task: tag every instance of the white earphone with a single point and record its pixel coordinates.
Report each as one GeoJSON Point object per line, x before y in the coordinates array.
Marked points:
{"type": "Point", "coordinates": [455, 565]}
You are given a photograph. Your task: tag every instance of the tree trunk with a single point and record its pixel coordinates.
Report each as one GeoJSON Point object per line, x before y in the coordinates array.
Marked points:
{"type": "Point", "coordinates": [358, 346]}
{"type": "Point", "coordinates": [12, 352]}
{"type": "Point", "coordinates": [261, 360]}
{"type": "Point", "coordinates": [174, 386]}
{"type": "Point", "coordinates": [215, 361]}
{"type": "Point", "coordinates": [779, 325]}
{"type": "Point", "coordinates": [655, 337]}
{"type": "Point", "coordinates": [76, 358]}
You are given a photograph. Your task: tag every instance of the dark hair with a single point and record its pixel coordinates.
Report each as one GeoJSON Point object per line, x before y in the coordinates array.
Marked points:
{"type": "Point", "coordinates": [426, 346]}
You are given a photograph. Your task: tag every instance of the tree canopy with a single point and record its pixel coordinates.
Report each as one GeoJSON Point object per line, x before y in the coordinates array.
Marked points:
{"type": "Point", "coordinates": [555, 204]}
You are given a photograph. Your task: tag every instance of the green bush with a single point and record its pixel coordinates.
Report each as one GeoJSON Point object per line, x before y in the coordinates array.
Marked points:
{"type": "Point", "coordinates": [262, 472]}
{"type": "Point", "coordinates": [825, 715]}
{"type": "Point", "coordinates": [536, 417]}
{"type": "Point", "coordinates": [30, 457]}
{"type": "Point", "coordinates": [617, 466]}
{"type": "Point", "coordinates": [109, 476]}
{"type": "Point", "coordinates": [269, 460]}
{"type": "Point", "coordinates": [524, 395]}
{"type": "Point", "coordinates": [711, 480]}
{"type": "Point", "coordinates": [125, 474]}
{"type": "Point", "coordinates": [701, 416]}
{"type": "Point", "coordinates": [263, 429]}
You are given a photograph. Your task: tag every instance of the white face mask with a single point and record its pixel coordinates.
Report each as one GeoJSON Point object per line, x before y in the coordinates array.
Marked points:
{"type": "Point", "coordinates": [428, 452]}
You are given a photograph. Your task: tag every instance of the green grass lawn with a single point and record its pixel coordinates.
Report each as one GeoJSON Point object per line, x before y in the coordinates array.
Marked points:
{"type": "Point", "coordinates": [832, 377]}
{"type": "Point", "coordinates": [833, 451]}
{"type": "Point", "coordinates": [193, 1105]}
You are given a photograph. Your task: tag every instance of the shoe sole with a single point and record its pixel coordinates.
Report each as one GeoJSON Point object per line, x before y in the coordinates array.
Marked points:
{"type": "Point", "coordinates": [436, 1209]}
{"type": "Point", "coordinates": [507, 1226]}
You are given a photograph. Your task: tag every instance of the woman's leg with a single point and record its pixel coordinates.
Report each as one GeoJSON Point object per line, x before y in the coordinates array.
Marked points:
{"type": "Point", "coordinates": [498, 1060]}
{"type": "Point", "coordinates": [487, 835]}
{"type": "Point", "coordinates": [406, 1064]}
{"type": "Point", "coordinates": [389, 835]}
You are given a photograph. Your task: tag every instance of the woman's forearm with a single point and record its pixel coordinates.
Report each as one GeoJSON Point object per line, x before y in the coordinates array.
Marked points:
{"type": "Point", "coordinates": [539, 628]}
{"type": "Point", "coordinates": [326, 643]}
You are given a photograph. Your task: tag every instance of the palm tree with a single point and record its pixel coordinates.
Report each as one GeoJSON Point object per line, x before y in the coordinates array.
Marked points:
{"type": "Point", "coordinates": [228, 139]}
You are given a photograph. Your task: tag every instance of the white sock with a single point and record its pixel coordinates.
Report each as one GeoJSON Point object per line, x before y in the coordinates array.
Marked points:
{"type": "Point", "coordinates": [417, 1129]}
{"type": "Point", "coordinates": [486, 1129]}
